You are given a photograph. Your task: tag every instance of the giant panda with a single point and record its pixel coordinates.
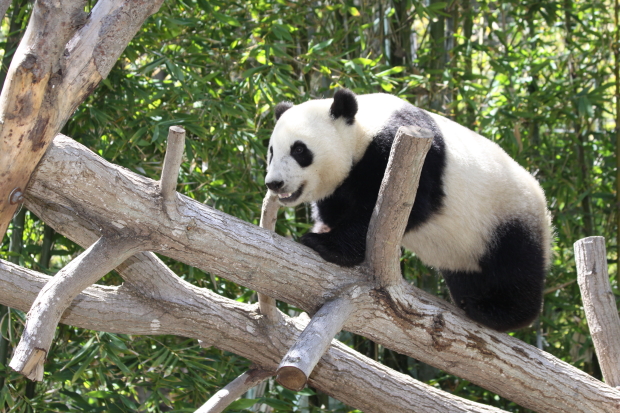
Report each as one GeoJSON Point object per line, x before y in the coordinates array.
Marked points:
{"type": "Point", "coordinates": [478, 217]}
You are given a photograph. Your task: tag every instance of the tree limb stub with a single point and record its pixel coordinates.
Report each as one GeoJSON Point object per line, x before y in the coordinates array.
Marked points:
{"type": "Point", "coordinates": [268, 217]}
{"type": "Point", "coordinates": [235, 389]}
{"type": "Point", "coordinates": [102, 257]}
{"type": "Point", "coordinates": [172, 163]}
{"type": "Point", "coordinates": [299, 361]}
{"type": "Point", "coordinates": [159, 302]}
{"type": "Point", "coordinates": [46, 81]}
{"type": "Point", "coordinates": [99, 194]}
{"type": "Point", "coordinates": [396, 198]}
{"type": "Point", "coordinates": [599, 304]}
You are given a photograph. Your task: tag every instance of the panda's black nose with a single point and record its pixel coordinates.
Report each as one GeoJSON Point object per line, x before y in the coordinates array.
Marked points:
{"type": "Point", "coordinates": [275, 185]}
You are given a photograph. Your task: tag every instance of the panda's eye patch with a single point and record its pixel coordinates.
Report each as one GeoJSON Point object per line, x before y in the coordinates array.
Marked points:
{"type": "Point", "coordinates": [301, 153]}
{"type": "Point", "coordinates": [270, 154]}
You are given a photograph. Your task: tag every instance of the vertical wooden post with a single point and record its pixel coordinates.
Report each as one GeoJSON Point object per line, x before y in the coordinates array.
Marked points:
{"type": "Point", "coordinates": [599, 304]}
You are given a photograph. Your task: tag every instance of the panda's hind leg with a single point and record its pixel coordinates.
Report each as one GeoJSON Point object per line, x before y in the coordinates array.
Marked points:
{"type": "Point", "coordinates": [507, 293]}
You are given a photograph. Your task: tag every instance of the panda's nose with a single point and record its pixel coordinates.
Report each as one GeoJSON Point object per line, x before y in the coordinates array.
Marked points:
{"type": "Point", "coordinates": [275, 185]}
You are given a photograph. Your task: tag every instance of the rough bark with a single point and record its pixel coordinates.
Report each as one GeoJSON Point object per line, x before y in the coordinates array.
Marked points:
{"type": "Point", "coordinates": [155, 301]}
{"type": "Point", "coordinates": [302, 357]}
{"type": "Point", "coordinates": [62, 57]}
{"type": "Point", "coordinates": [396, 198]}
{"type": "Point", "coordinates": [599, 304]}
{"type": "Point", "coordinates": [93, 194]}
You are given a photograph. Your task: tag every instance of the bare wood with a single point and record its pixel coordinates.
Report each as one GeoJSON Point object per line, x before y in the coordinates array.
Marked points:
{"type": "Point", "coordinates": [172, 162]}
{"type": "Point", "coordinates": [396, 198]}
{"type": "Point", "coordinates": [268, 218]}
{"type": "Point", "coordinates": [299, 361]}
{"type": "Point", "coordinates": [166, 304]}
{"type": "Point", "coordinates": [36, 58]}
{"type": "Point", "coordinates": [102, 257]}
{"type": "Point", "coordinates": [418, 325]}
{"type": "Point", "coordinates": [46, 81]}
{"type": "Point", "coordinates": [235, 389]}
{"type": "Point", "coordinates": [599, 304]}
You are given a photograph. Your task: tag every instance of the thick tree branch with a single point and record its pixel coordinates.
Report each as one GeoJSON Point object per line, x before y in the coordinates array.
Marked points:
{"type": "Point", "coordinates": [165, 304]}
{"type": "Point", "coordinates": [30, 76]}
{"type": "Point", "coordinates": [396, 198]}
{"type": "Point", "coordinates": [62, 58]}
{"type": "Point", "coordinates": [420, 325]}
{"type": "Point", "coordinates": [599, 304]}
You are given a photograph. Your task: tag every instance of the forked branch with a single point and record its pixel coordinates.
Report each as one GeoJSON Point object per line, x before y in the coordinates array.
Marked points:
{"type": "Point", "coordinates": [102, 257]}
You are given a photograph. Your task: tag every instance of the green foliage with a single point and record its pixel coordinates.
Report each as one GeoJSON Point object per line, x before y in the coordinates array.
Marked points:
{"type": "Point", "coordinates": [536, 77]}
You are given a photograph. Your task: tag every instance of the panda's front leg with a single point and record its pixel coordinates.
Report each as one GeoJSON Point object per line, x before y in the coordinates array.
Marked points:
{"type": "Point", "coordinates": [343, 245]}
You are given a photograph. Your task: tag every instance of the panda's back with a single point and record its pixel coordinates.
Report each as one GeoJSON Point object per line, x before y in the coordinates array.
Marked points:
{"type": "Point", "coordinates": [469, 187]}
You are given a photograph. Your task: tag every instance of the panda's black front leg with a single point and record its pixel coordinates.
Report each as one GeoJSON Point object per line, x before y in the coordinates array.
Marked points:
{"type": "Point", "coordinates": [345, 246]}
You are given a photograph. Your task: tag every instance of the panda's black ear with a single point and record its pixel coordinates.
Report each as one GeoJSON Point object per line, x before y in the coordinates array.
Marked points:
{"type": "Point", "coordinates": [281, 108]}
{"type": "Point", "coordinates": [345, 105]}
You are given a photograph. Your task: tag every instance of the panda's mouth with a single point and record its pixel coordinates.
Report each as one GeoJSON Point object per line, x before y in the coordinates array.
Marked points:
{"type": "Point", "coordinates": [287, 197]}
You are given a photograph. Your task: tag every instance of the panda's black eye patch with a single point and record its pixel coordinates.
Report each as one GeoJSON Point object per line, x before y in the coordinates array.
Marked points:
{"type": "Point", "coordinates": [301, 153]}
{"type": "Point", "coordinates": [270, 154]}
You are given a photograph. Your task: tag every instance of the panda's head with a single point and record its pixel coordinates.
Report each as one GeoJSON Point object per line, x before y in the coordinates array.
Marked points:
{"type": "Point", "coordinates": [312, 148]}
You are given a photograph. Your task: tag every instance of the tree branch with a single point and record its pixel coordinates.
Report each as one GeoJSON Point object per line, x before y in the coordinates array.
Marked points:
{"type": "Point", "coordinates": [100, 195]}
{"type": "Point", "coordinates": [599, 304]}
{"type": "Point", "coordinates": [172, 163]}
{"type": "Point", "coordinates": [396, 198]}
{"type": "Point", "coordinates": [299, 361]}
{"type": "Point", "coordinates": [268, 217]}
{"type": "Point", "coordinates": [102, 257]}
{"type": "Point", "coordinates": [165, 304]}
{"type": "Point", "coordinates": [235, 389]}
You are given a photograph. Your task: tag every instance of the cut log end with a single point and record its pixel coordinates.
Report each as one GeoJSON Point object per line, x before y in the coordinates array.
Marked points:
{"type": "Point", "coordinates": [291, 377]}
{"type": "Point", "coordinates": [30, 365]}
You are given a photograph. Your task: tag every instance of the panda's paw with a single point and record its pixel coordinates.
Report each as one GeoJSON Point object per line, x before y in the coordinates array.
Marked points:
{"type": "Point", "coordinates": [329, 250]}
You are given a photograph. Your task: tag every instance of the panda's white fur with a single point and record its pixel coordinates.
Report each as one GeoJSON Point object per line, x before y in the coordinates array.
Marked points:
{"type": "Point", "coordinates": [483, 188]}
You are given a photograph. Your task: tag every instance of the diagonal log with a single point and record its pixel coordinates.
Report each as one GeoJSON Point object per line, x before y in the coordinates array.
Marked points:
{"type": "Point", "coordinates": [158, 302]}
{"type": "Point", "coordinates": [233, 390]}
{"type": "Point", "coordinates": [422, 326]}
{"type": "Point", "coordinates": [296, 366]}
{"type": "Point", "coordinates": [61, 59]}
{"type": "Point", "coordinates": [102, 257]}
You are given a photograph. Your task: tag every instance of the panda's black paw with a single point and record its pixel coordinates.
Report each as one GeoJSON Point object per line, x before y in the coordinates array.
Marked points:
{"type": "Point", "coordinates": [331, 250]}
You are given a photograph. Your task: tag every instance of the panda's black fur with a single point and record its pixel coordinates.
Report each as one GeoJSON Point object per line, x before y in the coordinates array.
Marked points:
{"type": "Point", "coordinates": [505, 294]}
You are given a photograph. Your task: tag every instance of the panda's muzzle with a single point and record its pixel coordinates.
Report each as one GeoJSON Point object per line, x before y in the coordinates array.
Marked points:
{"type": "Point", "coordinates": [287, 197]}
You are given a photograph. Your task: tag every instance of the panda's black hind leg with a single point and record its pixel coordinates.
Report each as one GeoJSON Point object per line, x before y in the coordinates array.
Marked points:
{"type": "Point", "coordinates": [507, 293]}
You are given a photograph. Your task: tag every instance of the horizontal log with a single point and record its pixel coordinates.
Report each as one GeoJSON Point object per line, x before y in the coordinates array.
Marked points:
{"type": "Point", "coordinates": [103, 195]}
{"type": "Point", "coordinates": [165, 304]}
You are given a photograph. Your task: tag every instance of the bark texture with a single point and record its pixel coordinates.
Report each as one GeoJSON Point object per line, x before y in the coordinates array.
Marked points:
{"type": "Point", "coordinates": [599, 303]}
{"type": "Point", "coordinates": [90, 194]}
{"type": "Point", "coordinates": [62, 57]}
{"type": "Point", "coordinates": [155, 301]}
